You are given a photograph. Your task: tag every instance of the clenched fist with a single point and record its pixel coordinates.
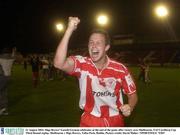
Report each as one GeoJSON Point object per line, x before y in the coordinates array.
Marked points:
{"type": "Point", "coordinates": [126, 110]}
{"type": "Point", "coordinates": [73, 22]}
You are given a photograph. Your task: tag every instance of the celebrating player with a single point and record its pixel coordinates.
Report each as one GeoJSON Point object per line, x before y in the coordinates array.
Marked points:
{"type": "Point", "coordinates": [101, 79]}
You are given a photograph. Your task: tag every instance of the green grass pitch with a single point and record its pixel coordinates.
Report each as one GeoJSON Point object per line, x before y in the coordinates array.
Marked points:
{"type": "Point", "coordinates": [55, 103]}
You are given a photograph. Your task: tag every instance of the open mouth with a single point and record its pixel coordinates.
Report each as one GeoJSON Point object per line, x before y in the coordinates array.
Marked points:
{"type": "Point", "coordinates": [95, 53]}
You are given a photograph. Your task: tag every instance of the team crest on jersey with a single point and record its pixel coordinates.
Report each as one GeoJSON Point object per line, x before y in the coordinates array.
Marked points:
{"type": "Point", "coordinates": [110, 82]}
{"type": "Point", "coordinates": [107, 82]}
{"type": "Point", "coordinates": [102, 82]}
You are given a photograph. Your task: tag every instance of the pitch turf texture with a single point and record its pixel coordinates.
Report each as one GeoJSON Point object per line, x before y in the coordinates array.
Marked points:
{"type": "Point", "coordinates": [55, 103]}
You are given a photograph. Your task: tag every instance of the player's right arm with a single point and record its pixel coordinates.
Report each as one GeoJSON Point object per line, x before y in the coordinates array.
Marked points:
{"type": "Point", "coordinates": [60, 60]}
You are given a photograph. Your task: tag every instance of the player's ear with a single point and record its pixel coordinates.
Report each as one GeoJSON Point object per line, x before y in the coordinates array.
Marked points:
{"type": "Point", "coordinates": [107, 47]}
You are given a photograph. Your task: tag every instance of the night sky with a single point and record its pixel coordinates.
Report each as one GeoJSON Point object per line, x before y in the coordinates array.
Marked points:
{"type": "Point", "coordinates": [30, 24]}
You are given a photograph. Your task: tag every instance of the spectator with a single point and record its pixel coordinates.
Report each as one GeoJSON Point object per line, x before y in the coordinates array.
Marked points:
{"type": "Point", "coordinates": [35, 70]}
{"type": "Point", "coordinates": [25, 63]}
{"type": "Point", "coordinates": [6, 61]}
{"type": "Point", "coordinates": [45, 69]}
{"type": "Point", "coordinates": [142, 68]}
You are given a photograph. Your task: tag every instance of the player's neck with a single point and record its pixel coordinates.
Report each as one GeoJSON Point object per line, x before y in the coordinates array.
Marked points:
{"type": "Point", "coordinates": [102, 63]}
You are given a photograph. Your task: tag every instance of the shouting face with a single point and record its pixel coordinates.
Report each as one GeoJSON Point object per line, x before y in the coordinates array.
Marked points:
{"type": "Point", "coordinates": [97, 47]}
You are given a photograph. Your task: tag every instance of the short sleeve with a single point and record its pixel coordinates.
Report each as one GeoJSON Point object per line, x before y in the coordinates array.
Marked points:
{"type": "Point", "coordinates": [78, 61]}
{"type": "Point", "coordinates": [128, 84]}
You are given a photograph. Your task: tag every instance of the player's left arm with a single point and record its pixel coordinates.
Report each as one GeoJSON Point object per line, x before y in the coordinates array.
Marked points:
{"type": "Point", "coordinates": [130, 90]}
{"type": "Point", "coordinates": [132, 100]}
{"type": "Point", "coordinates": [127, 109]}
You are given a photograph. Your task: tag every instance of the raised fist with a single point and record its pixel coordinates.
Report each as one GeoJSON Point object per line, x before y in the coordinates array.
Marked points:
{"type": "Point", "coordinates": [73, 22]}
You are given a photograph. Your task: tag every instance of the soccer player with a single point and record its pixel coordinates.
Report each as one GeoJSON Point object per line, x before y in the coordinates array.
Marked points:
{"type": "Point", "coordinates": [101, 80]}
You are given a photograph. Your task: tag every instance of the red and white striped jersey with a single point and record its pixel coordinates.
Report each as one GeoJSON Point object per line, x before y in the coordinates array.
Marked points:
{"type": "Point", "coordinates": [101, 90]}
